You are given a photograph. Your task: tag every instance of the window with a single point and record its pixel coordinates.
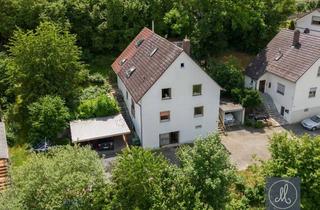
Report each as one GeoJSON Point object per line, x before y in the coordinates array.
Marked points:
{"type": "Point", "coordinates": [315, 20]}
{"type": "Point", "coordinates": [153, 52]}
{"type": "Point", "coordinates": [198, 111]}
{"type": "Point", "coordinates": [165, 116]}
{"type": "Point", "coordinates": [269, 85]}
{"type": "Point", "coordinates": [132, 108]}
{"type": "Point", "coordinates": [281, 88]}
{"type": "Point", "coordinates": [182, 65]}
{"type": "Point", "coordinates": [312, 92]}
{"type": "Point", "coordinates": [166, 93]}
{"type": "Point", "coordinates": [318, 74]}
{"type": "Point", "coordinates": [197, 90]}
{"type": "Point", "coordinates": [198, 126]}
{"type": "Point", "coordinates": [169, 138]}
{"type": "Point", "coordinates": [127, 95]}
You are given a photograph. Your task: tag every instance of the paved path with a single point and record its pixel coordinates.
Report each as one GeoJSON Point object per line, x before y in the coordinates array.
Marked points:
{"type": "Point", "coordinates": [244, 143]}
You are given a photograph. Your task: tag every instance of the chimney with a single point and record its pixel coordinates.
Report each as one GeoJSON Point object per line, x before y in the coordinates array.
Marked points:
{"type": "Point", "coordinates": [186, 45]}
{"type": "Point", "coordinates": [296, 37]}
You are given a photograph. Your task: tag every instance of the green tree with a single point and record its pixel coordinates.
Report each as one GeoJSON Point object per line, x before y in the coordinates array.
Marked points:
{"type": "Point", "coordinates": [294, 156]}
{"type": "Point", "coordinates": [46, 62]}
{"type": "Point", "coordinates": [6, 96]}
{"type": "Point", "coordinates": [64, 178]}
{"type": "Point", "coordinates": [137, 178]}
{"type": "Point", "coordinates": [251, 98]}
{"type": "Point", "coordinates": [207, 166]}
{"type": "Point", "coordinates": [228, 75]}
{"type": "Point", "coordinates": [47, 117]}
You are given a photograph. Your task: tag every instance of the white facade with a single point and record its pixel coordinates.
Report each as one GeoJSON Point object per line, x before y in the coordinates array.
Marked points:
{"type": "Point", "coordinates": [310, 21]}
{"type": "Point", "coordinates": [181, 105]}
{"type": "Point", "coordinates": [295, 100]}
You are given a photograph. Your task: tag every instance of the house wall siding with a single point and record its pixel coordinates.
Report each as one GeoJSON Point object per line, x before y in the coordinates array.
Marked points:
{"type": "Point", "coordinates": [301, 98]}
{"type": "Point", "coordinates": [306, 22]}
{"type": "Point", "coordinates": [181, 105]}
{"type": "Point", "coordinates": [137, 119]}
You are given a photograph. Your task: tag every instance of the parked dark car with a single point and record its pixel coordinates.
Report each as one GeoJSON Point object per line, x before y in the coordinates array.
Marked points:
{"type": "Point", "coordinates": [259, 116]}
{"type": "Point", "coordinates": [108, 145]}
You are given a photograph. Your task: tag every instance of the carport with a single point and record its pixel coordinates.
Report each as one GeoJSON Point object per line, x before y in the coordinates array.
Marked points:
{"type": "Point", "coordinates": [104, 134]}
{"type": "Point", "coordinates": [229, 107]}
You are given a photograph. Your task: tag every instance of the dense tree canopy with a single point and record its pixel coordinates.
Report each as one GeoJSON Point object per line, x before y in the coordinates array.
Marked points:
{"type": "Point", "coordinates": [104, 25]}
{"type": "Point", "coordinates": [47, 117]}
{"type": "Point", "coordinates": [46, 62]}
{"type": "Point", "coordinates": [65, 178]}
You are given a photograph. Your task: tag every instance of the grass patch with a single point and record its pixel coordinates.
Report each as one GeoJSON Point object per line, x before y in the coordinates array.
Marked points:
{"type": "Point", "coordinates": [102, 64]}
{"type": "Point", "coordinates": [242, 58]}
{"type": "Point", "coordinates": [18, 155]}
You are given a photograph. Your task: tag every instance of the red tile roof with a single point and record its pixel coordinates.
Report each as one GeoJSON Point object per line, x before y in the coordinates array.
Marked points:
{"type": "Point", "coordinates": [294, 61]}
{"type": "Point", "coordinates": [148, 68]}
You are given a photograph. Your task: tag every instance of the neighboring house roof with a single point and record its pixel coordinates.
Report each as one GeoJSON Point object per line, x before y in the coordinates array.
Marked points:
{"type": "Point", "coordinates": [98, 128]}
{"type": "Point", "coordinates": [4, 154]}
{"type": "Point", "coordinates": [148, 68]}
{"type": "Point", "coordinates": [293, 63]}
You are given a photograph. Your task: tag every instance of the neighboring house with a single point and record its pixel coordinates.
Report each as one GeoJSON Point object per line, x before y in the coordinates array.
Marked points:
{"type": "Point", "coordinates": [171, 100]}
{"type": "Point", "coordinates": [4, 156]}
{"type": "Point", "coordinates": [309, 23]}
{"type": "Point", "coordinates": [288, 70]}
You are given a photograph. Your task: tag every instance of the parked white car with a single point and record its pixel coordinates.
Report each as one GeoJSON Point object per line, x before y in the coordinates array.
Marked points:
{"type": "Point", "coordinates": [229, 119]}
{"type": "Point", "coordinates": [311, 123]}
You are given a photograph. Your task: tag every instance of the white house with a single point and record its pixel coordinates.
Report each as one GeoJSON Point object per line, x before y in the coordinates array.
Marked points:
{"type": "Point", "coordinates": [170, 98]}
{"type": "Point", "coordinates": [288, 71]}
{"type": "Point", "coordinates": [309, 23]}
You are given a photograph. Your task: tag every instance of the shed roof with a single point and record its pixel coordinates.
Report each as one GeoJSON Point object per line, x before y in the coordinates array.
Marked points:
{"type": "Point", "coordinates": [98, 128]}
{"type": "Point", "coordinates": [293, 63]}
{"type": "Point", "coordinates": [148, 69]}
{"type": "Point", "coordinates": [3, 142]}
{"type": "Point", "coordinates": [228, 106]}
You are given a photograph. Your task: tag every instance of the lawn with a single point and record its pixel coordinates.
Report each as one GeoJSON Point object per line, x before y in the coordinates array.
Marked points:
{"type": "Point", "coordinates": [102, 64]}
{"type": "Point", "coordinates": [243, 58]}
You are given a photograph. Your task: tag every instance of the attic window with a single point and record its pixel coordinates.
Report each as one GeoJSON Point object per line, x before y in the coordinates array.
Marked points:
{"type": "Point", "coordinates": [130, 71]}
{"type": "Point", "coordinates": [122, 61]}
{"type": "Point", "coordinates": [153, 52]}
{"type": "Point", "coordinates": [139, 42]}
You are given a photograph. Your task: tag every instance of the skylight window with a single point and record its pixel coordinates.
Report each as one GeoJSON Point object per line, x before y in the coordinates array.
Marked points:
{"type": "Point", "coordinates": [279, 55]}
{"type": "Point", "coordinates": [139, 42]}
{"type": "Point", "coordinates": [130, 71]}
{"type": "Point", "coordinates": [153, 52]}
{"type": "Point", "coordinates": [122, 61]}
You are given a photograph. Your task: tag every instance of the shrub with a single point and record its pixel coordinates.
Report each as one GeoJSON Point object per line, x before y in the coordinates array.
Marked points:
{"type": "Point", "coordinates": [259, 124]}
{"type": "Point", "coordinates": [94, 91]}
{"type": "Point", "coordinates": [100, 106]}
{"type": "Point", "coordinates": [97, 78]}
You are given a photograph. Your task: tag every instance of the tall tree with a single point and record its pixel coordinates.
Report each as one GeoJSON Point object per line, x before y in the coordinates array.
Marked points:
{"type": "Point", "coordinates": [47, 117]}
{"type": "Point", "coordinates": [65, 178]}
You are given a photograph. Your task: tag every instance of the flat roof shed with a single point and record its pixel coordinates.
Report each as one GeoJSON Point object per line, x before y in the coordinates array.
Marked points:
{"type": "Point", "coordinates": [98, 128]}
{"type": "Point", "coordinates": [4, 154]}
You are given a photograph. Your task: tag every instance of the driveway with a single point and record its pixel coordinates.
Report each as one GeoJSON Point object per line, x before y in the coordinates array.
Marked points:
{"type": "Point", "coordinates": [244, 143]}
{"type": "Point", "coordinates": [298, 130]}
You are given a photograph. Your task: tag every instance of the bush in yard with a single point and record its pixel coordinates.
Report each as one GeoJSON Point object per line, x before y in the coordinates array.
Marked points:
{"type": "Point", "coordinates": [101, 106]}
{"type": "Point", "coordinates": [251, 98]}
{"type": "Point", "coordinates": [208, 168]}
{"type": "Point", "coordinates": [47, 117]}
{"type": "Point", "coordinates": [64, 178]}
{"type": "Point", "coordinates": [94, 91]}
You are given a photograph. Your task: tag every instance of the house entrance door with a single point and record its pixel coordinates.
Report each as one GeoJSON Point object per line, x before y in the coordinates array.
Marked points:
{"type": "Point", "coordinates": [262, 85]}
{"type": "Point", "coordinates": [282, 110]}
